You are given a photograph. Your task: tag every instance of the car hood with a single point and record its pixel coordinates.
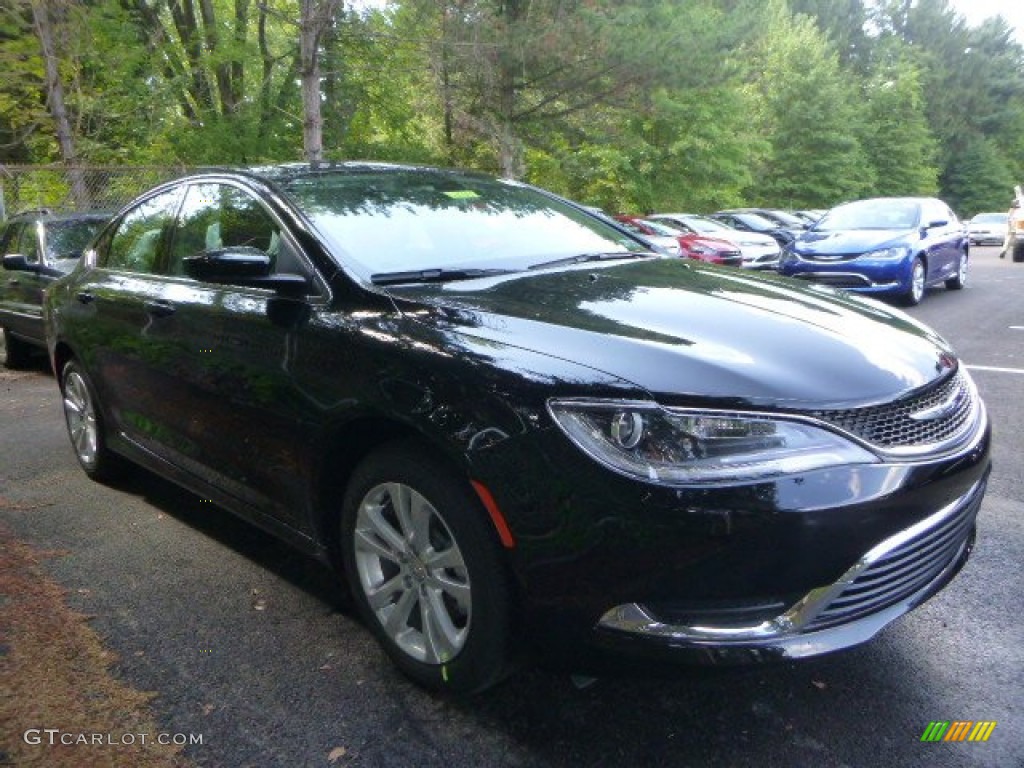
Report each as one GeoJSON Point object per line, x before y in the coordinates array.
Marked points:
{"type": "Point", "coordinates": [683, 330]}
{"type": "Point", "coordinates": [716, 243]}
{"type": "Point", "coordinates": [849, 241]}
{"type": "Point", "coordinates": [750, 238]}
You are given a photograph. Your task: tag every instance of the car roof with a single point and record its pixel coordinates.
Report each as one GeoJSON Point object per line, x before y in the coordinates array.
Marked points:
{"type": "Point", "coordinates": [285, 172]}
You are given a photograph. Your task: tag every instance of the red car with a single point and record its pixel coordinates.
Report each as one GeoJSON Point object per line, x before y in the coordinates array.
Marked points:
{"type": "Point", "coordinates": [693, 245]}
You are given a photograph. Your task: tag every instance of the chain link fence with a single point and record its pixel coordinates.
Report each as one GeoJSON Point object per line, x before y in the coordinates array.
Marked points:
{"type": "Point", "coordinates": [80, 188]}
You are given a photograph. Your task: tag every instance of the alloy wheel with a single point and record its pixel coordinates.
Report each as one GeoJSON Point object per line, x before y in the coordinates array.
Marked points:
{"type": "Point", "coordinates": [917, 277]}
{"type": "Point", "coordinates": [412, 573]}
{"type": "Point", "coordinates": [80, 414]}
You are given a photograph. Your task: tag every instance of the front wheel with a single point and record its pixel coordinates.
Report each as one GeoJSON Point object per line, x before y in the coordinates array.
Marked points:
{"type": "Point", "coordinates": [959, 280]}
{"type": "Point", "coordinates": [915, 292]}
{"type": "Point", "coordinates": [426, 570]}
{"type": "Point", "coordinates": [86, 427]}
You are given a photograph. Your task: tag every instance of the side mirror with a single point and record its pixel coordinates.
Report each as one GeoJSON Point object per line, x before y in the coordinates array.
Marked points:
{"type": "Point", "coordinates": [16, 262]}
{"type": "Point", "coordinates": [246, 266]}
{"type": "Point", "coordinates": [224, 265]}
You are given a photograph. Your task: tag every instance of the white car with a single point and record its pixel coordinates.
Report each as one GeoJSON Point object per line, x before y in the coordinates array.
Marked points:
{"type": "Point", "coordinates": [987, 229]}
{"type": "Point", "coordinates": [759, 251]}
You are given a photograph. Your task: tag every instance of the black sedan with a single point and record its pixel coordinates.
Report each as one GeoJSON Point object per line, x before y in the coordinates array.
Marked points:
{"type": "Point", "coordinates": [37, 247]}
{"type": "Point", "coordinates": [510, 426]}
{"type": "Point", "coordinates": [748, 221]}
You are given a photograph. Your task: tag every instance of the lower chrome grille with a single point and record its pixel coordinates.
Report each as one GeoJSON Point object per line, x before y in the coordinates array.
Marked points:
{"type": "Point", "coordinates": [901, 566]}
{"type": "Point", "coordinates": [836, 279]}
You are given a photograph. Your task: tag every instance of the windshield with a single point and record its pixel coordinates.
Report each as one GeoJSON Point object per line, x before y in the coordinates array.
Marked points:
{"type": "Point", "coordinates": [67, 239]}
{"type": "Point", "coordinates": [871, 214]}
{"type": "Point", "coordinates": [989, 218]}
{"type": "Point", "coordinates": [788, 219]}
{"type": "Point", "coordinates": [755, 221]}
{"type": "Point", "coordinates": [394, 220]}
{"type": "Point", "coordinates": [658, 228]}
{"type": "Point", "coordinates": [697, 224]}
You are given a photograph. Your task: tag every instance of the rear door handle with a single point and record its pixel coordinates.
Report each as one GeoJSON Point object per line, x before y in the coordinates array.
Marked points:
{"type": "Point", "coordinates": [159, 308]}
{"type": "Point", "coordinates": [85, 297]}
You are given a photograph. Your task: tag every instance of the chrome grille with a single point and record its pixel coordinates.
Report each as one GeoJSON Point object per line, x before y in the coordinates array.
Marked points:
{"type": "Point", "coordinates": [904, 570]}
{"type": "Point", "coordinates": [892, 425]}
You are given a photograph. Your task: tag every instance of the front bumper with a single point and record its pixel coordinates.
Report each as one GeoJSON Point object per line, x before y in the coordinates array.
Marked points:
{"type": "Point", "coordinates": [892, 578]}
{"type": "Point", "coordinates": [760, 256]}
{"type": "Point", "coordinates": [860, 274]}
{"type": "Point", "coordinates": [613, 572]}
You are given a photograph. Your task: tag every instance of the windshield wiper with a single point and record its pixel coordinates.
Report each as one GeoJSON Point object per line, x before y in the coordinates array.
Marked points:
{"type": "Point", "coordinates": [434, 275]}
{"type": "Point", "coordinates": [584, 257]}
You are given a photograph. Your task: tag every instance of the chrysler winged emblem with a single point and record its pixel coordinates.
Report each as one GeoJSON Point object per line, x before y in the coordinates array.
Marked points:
{"type": "Point", "coordinates": [939, 410]}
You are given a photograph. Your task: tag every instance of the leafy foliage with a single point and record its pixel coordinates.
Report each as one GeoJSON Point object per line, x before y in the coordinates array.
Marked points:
{"type": "Point", "coordinates": [632, 105]}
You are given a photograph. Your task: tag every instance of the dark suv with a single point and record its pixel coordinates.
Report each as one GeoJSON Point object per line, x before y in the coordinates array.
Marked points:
{"type": "Point", "coordinates": [37, 247]}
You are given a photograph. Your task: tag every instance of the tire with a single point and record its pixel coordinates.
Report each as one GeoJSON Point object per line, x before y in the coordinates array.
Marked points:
{"type": "Point", "coordinates": [1018, 252]}
{"type": "Point", "coordinates": [19, 353]}
{"type": "Point", "coordinates": [958, 281]}
{"type": "Point", "coordinates": [426, 571]}
{"type": "Point", "coordinates": [912, 297]}
{"type": "Point", "coordinates": [86, 428]}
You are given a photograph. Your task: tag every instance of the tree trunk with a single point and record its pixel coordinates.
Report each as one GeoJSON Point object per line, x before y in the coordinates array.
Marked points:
{"type": "Point", "coordinates": [183, 15]}
{"type": "Point", "coordinates": [155, 36]}
{"type": "Point", "coordinates": [266, 84]}
{"type": "Point", "coordinates": [315, 17]}
{"type": "Point", "coordinates": [510, 149]}
{"type": "Point", "coordinates": [222, 71]}
{"type": "Point", "coordinates": [237, 66]}
{"type": "Point", "coordinates": [55, 100]}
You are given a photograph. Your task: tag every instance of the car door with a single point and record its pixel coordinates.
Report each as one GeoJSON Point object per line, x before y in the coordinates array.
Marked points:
{"type": "Point", "coordinates": [21, 298]}
{"type": "Point", "coordinates": [9, 280]}
{"type": "Point", "coordinates": [115, 305]}
{"type": "Point", "coordinates": [233, 413]}
{"type": "Point", "coordinates": [944, 235]}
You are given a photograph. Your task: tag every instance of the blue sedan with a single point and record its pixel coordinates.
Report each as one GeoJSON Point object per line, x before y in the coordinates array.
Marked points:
{"type": "Point", "coordinates": [896, 246]}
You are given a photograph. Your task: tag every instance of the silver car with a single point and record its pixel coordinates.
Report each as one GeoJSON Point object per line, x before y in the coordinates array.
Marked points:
{"type": "Point", "coordinates": [987, 229]}
{"type": "Point", "coordinates": [759, 251]}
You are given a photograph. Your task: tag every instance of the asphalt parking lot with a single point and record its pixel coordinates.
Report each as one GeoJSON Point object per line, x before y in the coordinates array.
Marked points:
{"type": "Point", "coordinates": [246, 643]}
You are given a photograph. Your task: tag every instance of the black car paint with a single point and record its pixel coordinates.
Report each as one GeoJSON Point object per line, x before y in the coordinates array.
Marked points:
{"type": "Point", "coordinates": [306, 386]}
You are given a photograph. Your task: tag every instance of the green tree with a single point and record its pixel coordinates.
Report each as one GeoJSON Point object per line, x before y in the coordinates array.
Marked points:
{"type": "Point", "coordinates": [897, 138]}
{"type": "Point", "coordinates": [810, 114]}
{"type": "Point", "coordinates": [978, 179]}
{"type": "Point", "coordinates": [973, 87]}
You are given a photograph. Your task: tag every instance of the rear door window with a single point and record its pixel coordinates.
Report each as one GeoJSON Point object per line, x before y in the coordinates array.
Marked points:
{"type": "Point", "coordinates": [136, 243]}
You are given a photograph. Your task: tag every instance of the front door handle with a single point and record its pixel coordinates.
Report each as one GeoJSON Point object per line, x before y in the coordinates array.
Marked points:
{"type": "Point", "coordinates": [159, 308]}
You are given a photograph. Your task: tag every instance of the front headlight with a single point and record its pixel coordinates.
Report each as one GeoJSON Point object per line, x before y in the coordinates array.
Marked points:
{"type": "Point", "coordinates": [684, 447]}
{"type": "Point", "coordinates": [888, 254]}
